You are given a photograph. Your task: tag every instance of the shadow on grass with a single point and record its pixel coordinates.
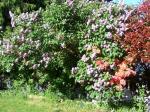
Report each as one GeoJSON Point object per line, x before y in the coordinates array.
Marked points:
{"type": "Point", "coordinates": [121, 104]}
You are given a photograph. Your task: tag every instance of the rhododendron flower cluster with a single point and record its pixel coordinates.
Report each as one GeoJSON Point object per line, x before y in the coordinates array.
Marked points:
{"type": "Point", "coordinates": [121, 76]}
{"type": "Point", "coordinates": [102, 65]}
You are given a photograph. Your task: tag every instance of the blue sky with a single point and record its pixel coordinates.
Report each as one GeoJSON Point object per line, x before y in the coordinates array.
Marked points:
{"type": "Point", "coordinates": [130, 2]}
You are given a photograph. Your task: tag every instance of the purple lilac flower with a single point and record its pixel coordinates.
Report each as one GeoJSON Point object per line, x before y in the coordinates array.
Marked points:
{"type": "Point", "coordinates": [46, 59]}
{"type": "Point", "coordinates": [7, 46]}
{"type": "Point", "coordinates": [98, 85]}
{"type": "Point", "coordinates": [147, 101]}
{"type": "Point", "coordinates": [84, 58]}
{"type": "Point", "coordinates": [122, 18]}
{"type": "Point", "coordinates": [110, 9]}
{"type": "Point", "coordinates": [33, 16]}
{"type": "Point", "coordinates": [90, 70]}
{"type": "Point", "coordinates": [70, 2]}
{"type": "Point", "coordinates": [94, 27]}
{"type": "Point", "coordinates": [93, 56]}
{"type": "Point", "coordinates": [25, 55]}
{"type": "Point", "coordinates": [109, 35]}
{"type": "Point", "coordinates": [22, 39]}
{"type": "Point", "coordinates": [34, 66]}
{"type": "Point", "coordinates": [12, 19]}
{"type": "Point", "coordinates": [120, 33]}
{"type": "Point", "coordinates": [109, 26]}
{"type": "Point", "coordinates": [103, 22]}
{"type": "Point", "coordinates": [128, 13]}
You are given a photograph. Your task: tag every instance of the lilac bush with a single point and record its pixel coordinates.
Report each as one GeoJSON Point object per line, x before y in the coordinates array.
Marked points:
{"type": "Point", "coordinates": [34, 51]}
{"type": "Point", "coordinates": [43, 46]}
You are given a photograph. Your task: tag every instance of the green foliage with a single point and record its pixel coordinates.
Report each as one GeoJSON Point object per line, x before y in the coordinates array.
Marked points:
{"type": "Point", "coordinates": [43, 46]}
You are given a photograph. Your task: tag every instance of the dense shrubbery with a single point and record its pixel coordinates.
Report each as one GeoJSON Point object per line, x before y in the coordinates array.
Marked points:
{"type": "Point", "coordinates": [136, 42]}
{"type": "Point", "coordinates": [41, 47]}
{"type": "Point", "coordinates": [99, 46]}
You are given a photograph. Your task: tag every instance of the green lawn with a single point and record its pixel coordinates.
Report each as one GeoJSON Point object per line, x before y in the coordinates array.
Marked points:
{"type": "Point", "coordinates": [16, 102]}
{"type": "Point", "coordinates": [10, 102]}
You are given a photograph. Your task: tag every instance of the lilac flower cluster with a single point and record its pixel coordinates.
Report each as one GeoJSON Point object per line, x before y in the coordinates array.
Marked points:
{"type": "Point", "coordinates": [90, 70]}
{"type": "Point", "coordinates": [69, 2]}
{"type": "Point", "coordinates": [45, 59]}
{"type": "Point", "coordinates": [21, 40]}
{"type": "Point", "coordinates": [92, 73]}
{"type": "Point", "coordinates": [23, 47]}
{"type": "Point", "coordinates": [84, 58]}
{"type": "Point", "coordinates": [6, 47]}
{"type": "Point", "coordinates": [26, 17]}
{"type": "Point", "coordinates": [114, 20]}
{"type": "Point", "coordinates": [12, 19]}
{"type": "Point", "coordinates": [147, 102]}
{"type": "Point", "coordinates": [99, 85]}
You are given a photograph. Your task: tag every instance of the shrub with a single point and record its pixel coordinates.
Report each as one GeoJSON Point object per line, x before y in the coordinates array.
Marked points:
{"type": "Point", "coordinates": [33, 49]}
{"type": "Point", "coordinates": [136, 60]}
{"type": "Point", "coordinates": [136, 43]}
{"type": "Point", "coordinates": [99, 51]}
{"type": "Point", "coordinates": [43, 46]}
{"type": "Point", "coordinates": [137, 36]}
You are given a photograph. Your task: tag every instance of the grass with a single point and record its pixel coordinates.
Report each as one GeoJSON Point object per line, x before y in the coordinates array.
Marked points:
{"type": "Point", "coordinates": [15, 101]}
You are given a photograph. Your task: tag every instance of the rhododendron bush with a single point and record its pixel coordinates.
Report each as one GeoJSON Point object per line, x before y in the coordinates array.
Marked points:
{"type": "Point", "coordinates": [100, 46]}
